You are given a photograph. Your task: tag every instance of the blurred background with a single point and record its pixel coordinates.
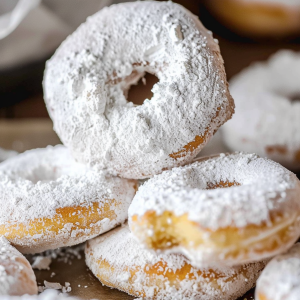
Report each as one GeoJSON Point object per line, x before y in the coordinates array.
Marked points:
{"type": "Point", "coordinates": [30, 31]}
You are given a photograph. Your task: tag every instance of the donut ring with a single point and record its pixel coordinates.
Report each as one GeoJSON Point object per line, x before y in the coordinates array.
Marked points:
{"type": "Point", "coordinates": [267, 121]}
{"type": "Point", "coordinates": [88, 77]}
{"type": "Point", "coordinates": [16, 275]}
{"type": "Point", "coordinates": [229, 209]}
{"type": "Point", "coordinates": [281, 278]}
{"type": "Point", "coordinates": [259, 18]}
{"type": "Point", "coordinates": [119, 261]}
{"type": "Point", "coordinates": [49, 201]}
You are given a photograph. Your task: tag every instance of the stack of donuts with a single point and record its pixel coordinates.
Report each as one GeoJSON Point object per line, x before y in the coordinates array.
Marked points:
{"type": "Point", "coordinates": [197, 228]}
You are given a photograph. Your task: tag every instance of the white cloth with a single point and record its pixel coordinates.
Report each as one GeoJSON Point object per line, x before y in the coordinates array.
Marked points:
{"type": "Point", "coordinates": [11, 19]}
{"type": "Point", "coordinates": [31, 29]}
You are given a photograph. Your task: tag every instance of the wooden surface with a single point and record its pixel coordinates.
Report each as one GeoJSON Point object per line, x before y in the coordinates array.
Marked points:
{"type": "Point", "coordinates": [25, 134]}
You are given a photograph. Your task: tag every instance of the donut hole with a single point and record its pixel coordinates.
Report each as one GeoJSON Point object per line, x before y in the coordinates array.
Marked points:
{"type": "Point", "coordinates": [142, 89]}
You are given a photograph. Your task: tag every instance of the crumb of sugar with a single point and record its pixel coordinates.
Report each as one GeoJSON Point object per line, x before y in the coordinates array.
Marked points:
{"type": "Point", "coordinates": [55, 286]}
{"type": "Point", "coordinates": [41, 262]}
{"type": "Point", "coordinates": [52, 285]}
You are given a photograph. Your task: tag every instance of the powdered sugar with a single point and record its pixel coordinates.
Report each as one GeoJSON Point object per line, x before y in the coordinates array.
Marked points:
{"type": "Point", "coordinates": [85, 82]}
{"type": "Point", "coordinates": [16, 275]}
{"type": "Point", "coordinates": [55, 286]}
{"type": "Point", "coordinates": [125, 256]}
{"type": "Point", "coordinates": [5, 154]}
{"type": "Point", "coordinates": [41, 263]}
{"type": "Point", "coordinates": [265, 187]}
{"type": "Point", "coordinates": [35, 184]}
{"type": "Point", "coordinates": [267, 122]}
{"type": "Point", "coordinates": [46, 295]}
{"type": "Point", "coordinates": [281, 277]}
{"type": "Point", "coordinates": [218, 221]}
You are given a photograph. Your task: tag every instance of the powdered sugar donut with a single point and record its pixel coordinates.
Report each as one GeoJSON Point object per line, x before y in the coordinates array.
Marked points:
{"type": "Point", "coordinates": [119, 261]}
{"type": "Point", "coordinates": [49, 201]}
{"type": "Point", "coordinates": [259, 18]}
{"type": "Point", "coordinates": [281, 278]}
{"type": "Point", "coordinates": [16, 275]}
{"type": "Point", "coordinates": [229, 209]}
{"type": "Point", "coordinates": [88, 77]}
{"type": "Point", "coordinates": [267, 119]}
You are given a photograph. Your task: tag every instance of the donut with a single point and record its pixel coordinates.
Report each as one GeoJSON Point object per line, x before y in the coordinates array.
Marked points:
{"type": "Point", "coordinates": [258, 18]}
{"type": "Point", "coordinates": [267, 119]}
{"type": "Point", "coordinates": [225, 210]}
{"type": "Point", "coordinates": [280, 280]}
{"type": "Point", "coordinates": [16, 275]}
{"type": "Point", "coordinates": [49, 201]}
{"type": "Point", "coordinates": [87, 79]}
{"type": "Point", "coordinates": [119, 261]}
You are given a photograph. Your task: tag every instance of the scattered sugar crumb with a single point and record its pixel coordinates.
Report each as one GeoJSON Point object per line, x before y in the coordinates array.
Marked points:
{"type": "Point", "coordinates": [42, 262]}
{"type": "Point", "coordinates": [52, 285]}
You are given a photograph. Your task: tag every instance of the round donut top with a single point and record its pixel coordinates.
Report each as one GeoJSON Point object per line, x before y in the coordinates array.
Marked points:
{"type": "Point", "coordinates": [122, 252]}
{"type": "Point", "coordinates": [36, 183]}
{"type": "Point", "coordinates": [86, 81]}
{"type": "Point", "coordinates": [264, 110]}
{"type": "Point", "coordinates": [281, 277]}
{"type": "Point", "coordinates": [12, 264]}
{"type": "Point", "coordinates": [260, 187]}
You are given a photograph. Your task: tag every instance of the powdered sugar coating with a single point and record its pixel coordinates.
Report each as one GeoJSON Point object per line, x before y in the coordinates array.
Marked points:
{"type": "Point", "coordinates": [16, 275]}
{"type": "Point", "coordinates": [267, 196]}
{"type": "Point", "coordinates": [265, 186]}
{"type": "Point", "coordinates": [266, 121]}
{"type": "Point", "coordinates": [122, 252]}
{"type": "Point", "coordinates": [281, 278]}
{"type": "Point", "coordinates": [85, 82]}
{"type": "Point", "coordinates": [35, 184]}
{"type": "Point", "coordinates": [5, 154]}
